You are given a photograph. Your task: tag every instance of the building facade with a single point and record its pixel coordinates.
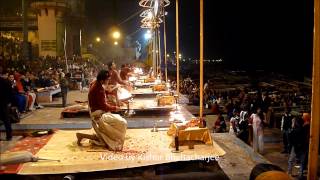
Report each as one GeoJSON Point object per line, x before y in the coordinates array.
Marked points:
{"type": "Point", "coordinates": [55, 27]}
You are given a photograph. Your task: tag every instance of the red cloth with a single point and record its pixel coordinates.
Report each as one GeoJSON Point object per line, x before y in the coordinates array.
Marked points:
{"type": "Point", "coordinates": [217, 123]}
{"type": "Point", "coordinates": [98, 99]}
{"type": "Point", "coordinates": [30, 99]}
{"type": "Point", "coordinates": [215, 109]}
{"type": "Point", "coordinates": [115, 78]}
{"type": "Point", "coordinates": [31, 144]}
{"type": "Point", "coordinates": [19, 85]}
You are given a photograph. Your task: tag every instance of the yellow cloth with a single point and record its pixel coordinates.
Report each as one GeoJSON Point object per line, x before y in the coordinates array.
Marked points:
{"type": "Point", "coordinates": [159, 87]}
{"type": "Point", "coordinates": [278, 175]}
{"type": "Point", "coordinates": [165, 100]}
{"type": "Point", "coordinates": [191, 134]}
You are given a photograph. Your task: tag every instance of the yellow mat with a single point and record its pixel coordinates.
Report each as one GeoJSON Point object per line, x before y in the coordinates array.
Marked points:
{"type": "Point", "coordinates": [142, 148]}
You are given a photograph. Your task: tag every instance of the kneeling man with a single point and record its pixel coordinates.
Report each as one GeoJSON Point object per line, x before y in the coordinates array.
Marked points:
{"type": "Point", "coordinates": [110, 128]}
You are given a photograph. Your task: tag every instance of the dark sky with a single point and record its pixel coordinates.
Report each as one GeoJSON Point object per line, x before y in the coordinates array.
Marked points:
{"type": "Point", "coordinates": [265, 34]}
{"type": "Point", "coordinates": [104, 14]}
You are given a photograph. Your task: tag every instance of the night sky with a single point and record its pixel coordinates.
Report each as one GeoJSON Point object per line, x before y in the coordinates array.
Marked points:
{"type": "Point", "coordinates": [105, 14]}
{"type": "Point", "coordinates": [265, 34]}
{"type": "Point", "coordinates": [270, 34]}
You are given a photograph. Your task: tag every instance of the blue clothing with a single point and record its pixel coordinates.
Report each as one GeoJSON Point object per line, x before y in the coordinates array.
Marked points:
{"type": "Point", "coordinates": [20, 101]}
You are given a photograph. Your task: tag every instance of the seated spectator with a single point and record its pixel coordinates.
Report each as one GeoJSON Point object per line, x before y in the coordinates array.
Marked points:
{"type": "Point", "coordinates": [215, 108]}
{"type": "Point", "coordinates": [19, 99]}
{"type": "Point", "coordinates": [29, 90]}
{"type": "Point", "coordinates": [220, 124]}
{"type": "Point", "coordinates": [19, 77]}
{"type": "Point", "coordinates": [41, 79]}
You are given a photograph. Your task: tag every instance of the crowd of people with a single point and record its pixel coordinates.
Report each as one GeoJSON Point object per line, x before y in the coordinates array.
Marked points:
{"type": "Point", "coordinates": [24, 85]}
{"type": "Point", "coordinates": [245, 112]}
{"type": "Point", "coordinates": [22, 88]}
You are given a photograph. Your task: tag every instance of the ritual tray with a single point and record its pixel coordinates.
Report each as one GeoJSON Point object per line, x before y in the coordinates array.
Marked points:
{"type": "Point", "coordinates": [146, 105]}
{"type": "Point", "coordinates": [150, 108]}
{"type": "Point", "coordinates": [147, 91]}
{"type": "Point", "coordinates": [144, 84]}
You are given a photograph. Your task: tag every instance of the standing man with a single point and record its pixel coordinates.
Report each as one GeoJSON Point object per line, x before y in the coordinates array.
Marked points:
{"type": "Point", "coordinates": [115, 79]}
{"type": "Point", "coordinates": [305, 143]}
{"type": "Point", "coordinates": [6, 96]}
{"type": "Point", "coordinates": [64, 84]}
{"type": "Point", "coordinates": [125, 71]}
{"type": "Point", "coordinates": [264, 105]}
{"type": "Point", "coordinates": [286, 125]}
{"type": "Point", "coordinates": [115, 76]}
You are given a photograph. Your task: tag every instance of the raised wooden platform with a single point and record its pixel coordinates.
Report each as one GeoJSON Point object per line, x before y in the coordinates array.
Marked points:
{"type": "Point", "coordinates": [142, 148]}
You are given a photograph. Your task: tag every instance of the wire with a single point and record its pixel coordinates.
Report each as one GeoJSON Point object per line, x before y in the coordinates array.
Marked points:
{"type": "Point", "coordinates": [132, 16]}
{"type": "Point", "coordinates": [131, 34]}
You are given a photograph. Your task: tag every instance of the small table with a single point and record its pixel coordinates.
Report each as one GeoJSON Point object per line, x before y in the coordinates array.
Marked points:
{"type": "Point", "coordinates": [191, 134]}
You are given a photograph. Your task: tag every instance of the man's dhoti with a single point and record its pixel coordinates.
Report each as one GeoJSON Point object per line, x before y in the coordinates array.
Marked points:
{"type": "Point", "coordinates": [111, 131]}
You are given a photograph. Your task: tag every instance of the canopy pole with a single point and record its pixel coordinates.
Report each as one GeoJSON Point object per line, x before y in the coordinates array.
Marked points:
{"type": "Point", "coordinates": [155, 49]}
{"type": "Point", "coordinates": [177, 46]}
{"type": "Point", "coordinates": [315, 106]}
{"type": "Point", "coordinates": [159, 51]}
{"type": "Point", "coordinates": [154, 55]}
{"type": "Point", "coordinates": [165, 48]}
{"type": "Point", "coordinates": [201, 59]}
{"type": "Point", "coordinates": [25, 48]}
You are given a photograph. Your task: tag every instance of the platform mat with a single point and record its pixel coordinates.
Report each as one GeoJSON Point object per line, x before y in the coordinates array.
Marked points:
{"type": "Point", "coordinates": [142, 148]}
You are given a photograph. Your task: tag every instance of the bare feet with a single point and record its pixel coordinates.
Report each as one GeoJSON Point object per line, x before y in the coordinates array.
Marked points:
{"type": "Point", "coordinates": [79, 138]}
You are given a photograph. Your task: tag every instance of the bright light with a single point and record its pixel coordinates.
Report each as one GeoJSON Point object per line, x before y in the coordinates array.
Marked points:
{"type": "Point", "coordinates": [180, 56]}
{"type": "Point", "coordinates": [157, 81]}
{"type": "Point", "coordinates": [168, 55]}
{"type": "Point", "coordinates": [150, 15]}
{"type": "Point", "coordinates": [115, 43]}
{"type": "Point", "coordinates": [138, 71]}
{"type": "Point", "coordinates": [98, 39]}
{"type": "Point", "coordinates": [116, 35]}
{"type": "Point", "coordinates": [147, 35]}
{"type": "Point", "coordinates": [132, 78]}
